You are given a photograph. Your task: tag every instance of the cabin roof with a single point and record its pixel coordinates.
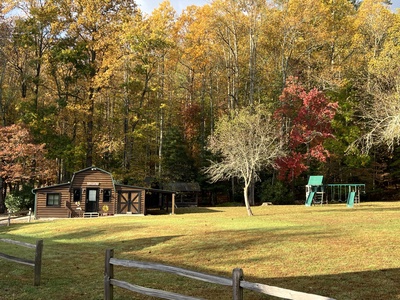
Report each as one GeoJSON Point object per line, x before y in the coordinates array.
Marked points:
{"type": "Point", "coordinates": [51, 186]}
{"type": "Point", "coordinates": [93, 168]}
{"type": "Point", "coordinates": [68, 184]}
{"type": "Point", "coordinates": [183, 186]}
{"type": "Point", "coordinates": [144, 188]}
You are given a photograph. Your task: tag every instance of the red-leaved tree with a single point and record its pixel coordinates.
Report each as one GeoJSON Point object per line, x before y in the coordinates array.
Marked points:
{"type": "Point", "coordinates": [306, 121]}
{"type": "Point", "coordinates": [21, 161]}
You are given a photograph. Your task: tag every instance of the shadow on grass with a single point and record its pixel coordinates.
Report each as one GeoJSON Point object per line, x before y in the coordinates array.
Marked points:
{"type": "Point", "coordinates": [366, 285]}
{"type": "Point", "coordinates": [337, 207]}
{"type": "Point", "coordinates": [65, 268]}
{"type": "Point", "coordinates": [71, 269]}
{"type": "Point", "coordinates": [183, 210]}
{"type": "Point", "coordinates": [196, 210]}
{"type": "Point", "coordinates": [73, 262]}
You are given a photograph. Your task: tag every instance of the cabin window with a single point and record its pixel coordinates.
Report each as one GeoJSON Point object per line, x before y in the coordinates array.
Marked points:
{"type": "Point", "coordinates": [106, 195]}
{"type": "Point", "coordinates": [77, 195]}
{"type": "Point", "coordinates": [53, 199]}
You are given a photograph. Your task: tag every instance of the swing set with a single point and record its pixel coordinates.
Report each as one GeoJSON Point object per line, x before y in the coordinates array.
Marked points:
{"type": "Point", "coordinates": [317, 192]}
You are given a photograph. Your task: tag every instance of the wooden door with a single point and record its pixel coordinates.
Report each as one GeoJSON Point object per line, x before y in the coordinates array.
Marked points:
{"type": "Point", "coordinates": [129, 202]}
{"type": "Point", "coordinates": [92, 200]}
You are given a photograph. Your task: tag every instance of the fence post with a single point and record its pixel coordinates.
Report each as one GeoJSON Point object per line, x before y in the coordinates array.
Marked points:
{"type": "Point", "coordinates": [38, 262]}
{"type": "Point", "coordinates": [108, 275]}
{"type": "Point", "coordinates": [9, 219]}
{"type": "Point", "coordinates": [237, 276]}
{"type": "Point", "coordinates": [173, 204]}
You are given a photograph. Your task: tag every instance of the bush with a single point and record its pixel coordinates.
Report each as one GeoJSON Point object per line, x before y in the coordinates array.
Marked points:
{"type": "Point", "coordinates": [277, 193]}
{"type": "Point", "coordinates": [14, 203]}
{"type": "Point", "coordinates": [27, 196]}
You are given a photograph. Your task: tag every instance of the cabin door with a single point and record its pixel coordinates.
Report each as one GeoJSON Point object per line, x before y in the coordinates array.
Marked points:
{"type": "Point", "coordinates": [92, 200]}
{"type": "Point", "coordinates": [129, 202]}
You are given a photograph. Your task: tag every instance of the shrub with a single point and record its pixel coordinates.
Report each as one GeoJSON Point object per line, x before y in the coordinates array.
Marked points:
{"type": "Point", "coordinates": [14, 203]}
{"type": "Point", "coordinates": [277, 193]}
{"type": "Point", "coordinates": [28, 198]}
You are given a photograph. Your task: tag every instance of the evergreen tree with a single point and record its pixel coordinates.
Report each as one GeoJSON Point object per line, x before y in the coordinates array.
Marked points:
{"type": "Point", "coordinates": [176, 161]}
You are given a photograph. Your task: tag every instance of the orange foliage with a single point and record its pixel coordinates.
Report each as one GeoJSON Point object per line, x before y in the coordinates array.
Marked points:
{"type": "Point", "coordinates": [21, 159]}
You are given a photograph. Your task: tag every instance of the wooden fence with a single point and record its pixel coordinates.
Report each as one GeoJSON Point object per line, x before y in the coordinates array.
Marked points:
{"type": "Point", "coordinates": [237, 282]}
{"type": "Point", "coordinates": [36, 263]}
{"type": "Point", "coordinates": [9, 218]}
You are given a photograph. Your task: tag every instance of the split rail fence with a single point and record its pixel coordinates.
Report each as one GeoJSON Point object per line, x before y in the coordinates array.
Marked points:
{"type": "Point", "coordinates": [36, 263]}
{"type": "Point", "coordinates": [9, 218]}
{"type": "Point", "coordinates": [237, 282]}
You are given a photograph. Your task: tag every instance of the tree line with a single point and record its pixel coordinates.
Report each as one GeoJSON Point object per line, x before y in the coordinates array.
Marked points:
{"type": "Point", "coordinates": [102, 83]}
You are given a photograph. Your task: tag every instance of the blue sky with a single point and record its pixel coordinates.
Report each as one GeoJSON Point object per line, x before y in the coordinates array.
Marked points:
{"type": "Point", "coordinates": [148, 5]}
{"type": "Point", "coordinates": [395, 4]}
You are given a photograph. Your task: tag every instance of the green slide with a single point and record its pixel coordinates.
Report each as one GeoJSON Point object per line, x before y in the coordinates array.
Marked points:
{"type": "Point", "coordinates": [310, 198]}
{"type": "Point", "coordinates": [350, 199]}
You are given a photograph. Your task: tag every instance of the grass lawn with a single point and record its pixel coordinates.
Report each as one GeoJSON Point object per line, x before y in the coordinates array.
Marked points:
{"type": "Point", "coordinates": [329, 250]}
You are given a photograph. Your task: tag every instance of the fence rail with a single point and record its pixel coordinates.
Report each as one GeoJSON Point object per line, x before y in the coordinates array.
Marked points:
{"type": "Point", "coordinates": [36, 263]}
{"type": "Point", "coordinates": [9, 217]}
{"type": "Point", "coordinates": [237, 282]}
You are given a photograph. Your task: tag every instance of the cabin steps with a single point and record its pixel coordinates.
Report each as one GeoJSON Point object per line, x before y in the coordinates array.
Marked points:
{"type": "Point", "coordinates": [90, 214]}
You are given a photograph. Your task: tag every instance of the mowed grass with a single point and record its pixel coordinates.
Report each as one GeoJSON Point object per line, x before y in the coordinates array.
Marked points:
{"type": "Point", "coordinates": [329, 250]}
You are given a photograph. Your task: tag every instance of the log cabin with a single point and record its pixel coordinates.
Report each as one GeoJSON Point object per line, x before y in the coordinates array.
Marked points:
{"type": "Point", "coordinates": [92, 192]}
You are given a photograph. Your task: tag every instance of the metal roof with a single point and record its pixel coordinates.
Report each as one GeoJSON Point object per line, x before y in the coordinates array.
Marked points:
{"type": "Point", "coordinates": [183, 186]}
{"type": "Point", "coordinates": [50, 186]}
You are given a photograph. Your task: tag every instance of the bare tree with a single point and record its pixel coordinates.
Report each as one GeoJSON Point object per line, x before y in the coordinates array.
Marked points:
{"type": "Point", "coordinates": [382, 121]}
{"type": "Point", "coordinates": [248, 141]}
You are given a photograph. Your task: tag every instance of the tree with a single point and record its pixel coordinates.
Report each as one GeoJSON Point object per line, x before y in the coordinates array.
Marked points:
{"type": "Point", "coordinates": [248, 141]}
{"type": "Point", "coordinates": [148, 44]}
{"type": "Point", "coordinates": [306, 121]}
{"type": "Point", "coordinates": [177, 163]}
{"type": "Point", "coordinates": [87, 54]}
{"type": "Point", "coordinates": [381, 114]}
{"type": "Point", "coordinates": [21, 160]}
{"type": "Point", "coordinates": [5, 34]}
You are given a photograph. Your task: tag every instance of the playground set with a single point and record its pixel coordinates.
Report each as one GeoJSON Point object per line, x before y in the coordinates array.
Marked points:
{"type": "Point", "coordinates": [318, 193]}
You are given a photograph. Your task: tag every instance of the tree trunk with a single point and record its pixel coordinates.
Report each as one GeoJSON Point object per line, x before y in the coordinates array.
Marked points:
{"type": "Point", "coordinates": [2, 196]}
{"type": "Point", "coordinates": [246, 199]}
{"type": "Point", "coordinates": [127, 138]}
{"type": "Point", "coordinates": [2, 107]}
{"type": "Point", "coordinates": [89, 130]}
{"type": "Point", "coordinates": [160, 146]}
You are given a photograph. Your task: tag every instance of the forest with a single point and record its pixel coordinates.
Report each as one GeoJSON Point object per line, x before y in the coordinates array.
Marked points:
{"type": "Point", "coordinates": [100, 83]}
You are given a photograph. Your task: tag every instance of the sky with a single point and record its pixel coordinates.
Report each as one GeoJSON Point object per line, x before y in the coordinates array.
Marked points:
{"type": "Point", "coordinates": [148, 5]}
{"type": "Point", "coordinates": [395, 4]}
